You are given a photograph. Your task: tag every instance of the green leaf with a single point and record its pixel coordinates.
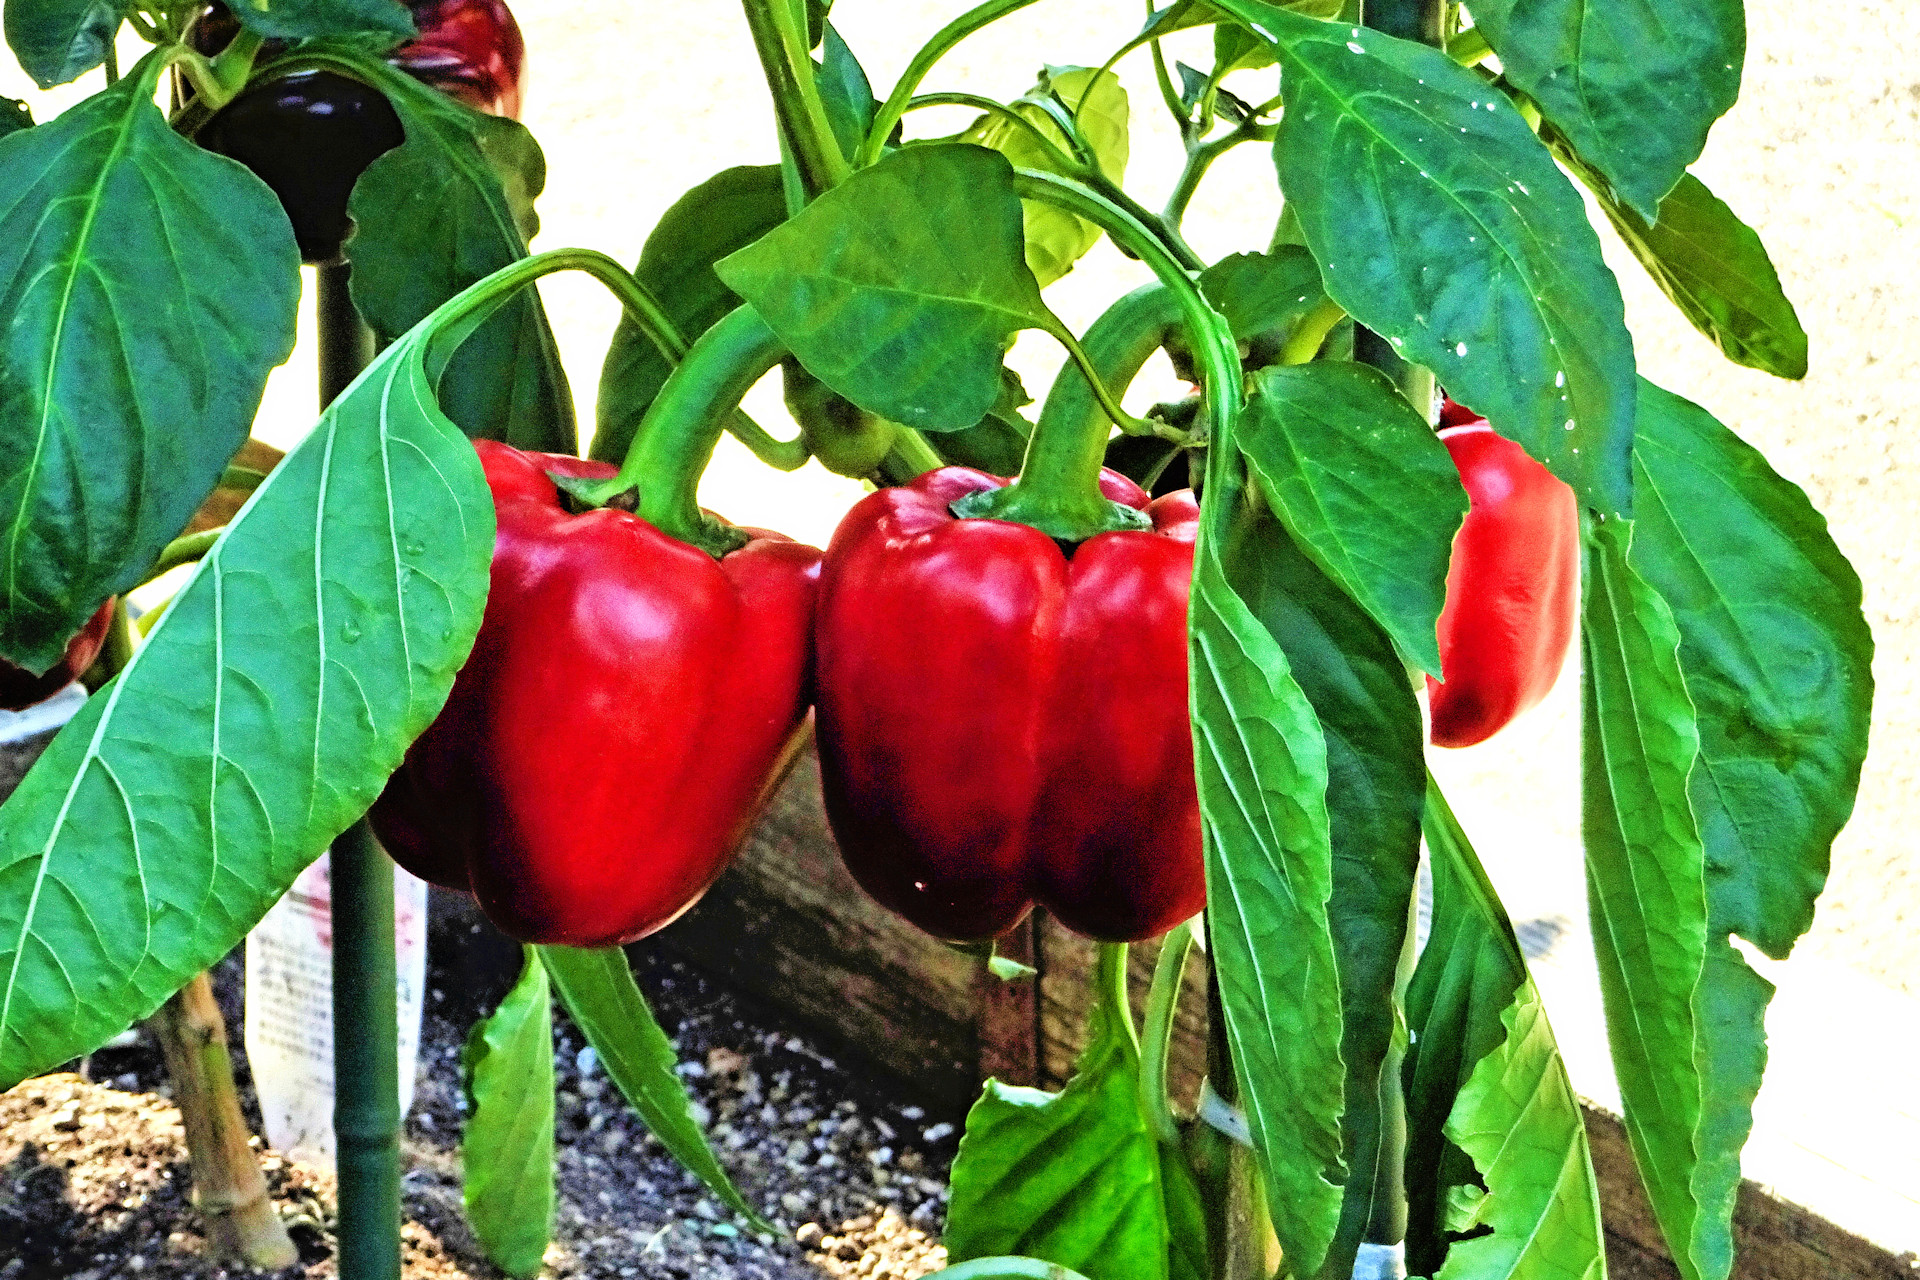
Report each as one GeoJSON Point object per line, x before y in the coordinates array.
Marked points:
{"type": "Point", "coordinates": [900, 287]}
{"type": "Point", "coordinates": [1646, 889]}
{"type": "Point", "coordinates": [1076, 1177]}
{"type": "Point", "coordinates": [450, 205]}
{"type": "Point", "coordinates": [1478, 261]}
{"type": "Point", "coordinates": [1055, 238]}
{"type": "Point", "coordinates": [1376, 786]}
{"type": "Point", "coordinates": [1261, 765]}
{"type": "Point", "coordinates": [1363, 484]}
{"type": "Point", "coordinates": [14, 116]}
{"type": "Point", "coordinates": [1776, 657]}
{"type": "Point", "coordinates": [1497, 1145]}
{"type": "Point", "coordinates": [60, 40]}
{"type": "Point", "coordinates": [262, 716]}
{"type": "Point", "coordinates": [506, 1152]}
{"type": "Point", "coordinates": [1264, 293]}
{"type": "Point", "coordinates": [1634, 87]}
{"type": "Point", "coordinates": [728, 211]}
{"type": "Point", "coordinates": [149, 288]}
{"type": "Point", "coordinates": [598, 989]}
{"type": "Point", "coordinates": [1716, 271]}
{"type": "Point", "coordinates": [302, 19]}
{"type": "Point", "coordinates": [845, 92]}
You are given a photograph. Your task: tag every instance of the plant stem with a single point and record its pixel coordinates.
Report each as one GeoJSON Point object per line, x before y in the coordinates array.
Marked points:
{"type": "Point", "coordinates": [228, 1191]}
{"type": "Point", "coordinates": [1163, 1002]}
{"type": "Point", "coordinates": [931, 52]}
{"type": "Point", "coordinates": [1110, 987]}
{"type": "Point", "coordinates": [366, 1059]}
{"type": "Point", "coordinates": [184, 550]}
{"type": "Point", "coordinates": [802, 117]}
{"type": "Point", "coordinates": [1200, 158]}
{"type": "Point", "coordinates": [909, 457]}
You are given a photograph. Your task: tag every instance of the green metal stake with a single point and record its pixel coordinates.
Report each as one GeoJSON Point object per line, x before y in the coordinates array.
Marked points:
{"type": "Point", "coordinates": [366, 1052]}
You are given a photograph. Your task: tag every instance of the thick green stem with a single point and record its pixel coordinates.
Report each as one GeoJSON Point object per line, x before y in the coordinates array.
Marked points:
{"type": "Point", "coordinates": [1310, 333]}
{"type": "Point", "coordinates": [184, 550]}
{"type": "Point", "coordinates": [1163, 1002]}
{"type": "Point", "coordinates": [1110, 987]}
{"type": "Point", "coordinates": [1200, 158]}
{"type": "Point", "coordinates": [675, 440]}
{"type": "Point", "coordinates": [366, 1057]}
{"type": "Point", "coordinates": [909, 457]}
{"type": "Point", "coordinates": [788, 66]}
{"type": "Point", "coordinates": [366, 1061]}
{"type": "Point", "coordinates": [1117, 346]}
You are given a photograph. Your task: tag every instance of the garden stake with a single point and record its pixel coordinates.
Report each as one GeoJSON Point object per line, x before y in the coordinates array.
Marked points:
{"type": "Point", "coordinates": [366, 1055]}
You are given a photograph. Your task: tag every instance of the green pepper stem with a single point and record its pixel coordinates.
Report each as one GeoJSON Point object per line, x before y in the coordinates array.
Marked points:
{"type": "Point", "coordinates": [676, 438]}
{"type": "Point", "coordinates": [788, 65]}
{"type": "Point", "coordinates": [1163, 1002]}
{"type": "Point", "coordinates": [910, 456]}
{"type": "Point", "coordinates": [1310, 333]}
{"type": "Point", "coordinates": [1110, 988]}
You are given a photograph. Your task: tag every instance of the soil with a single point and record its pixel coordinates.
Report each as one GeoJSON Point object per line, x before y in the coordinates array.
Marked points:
{"type": "Point", "coordinates": [94, 1179]}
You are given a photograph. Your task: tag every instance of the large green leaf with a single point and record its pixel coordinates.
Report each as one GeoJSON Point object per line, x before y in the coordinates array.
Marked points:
{"type": "Point", "coordinates": [1776, 656]}
{"type": "Point", "coordinates": [1365, 488]}
{"type": "Point", "coordinates": [1497, 1145]}
{"type": "Point", "coordinates": [728, 211]}
{"type": "Point", "coordinates": [506, 1151]}
{"type": "Point", "coordinates": [1055, 238]}
{"type": "Point", "coordinates": [450, 205]}
{"type": "Point", "coordinates": [900, 287]}
{"type": "Point", "coordinates": [262, 716]}
{"type": "Point", "coordinates": [1714, 268]}
{"type": "Point", "coordinates": [300, 19]}
{"type": "Point", "coordinates": [60, 40]}
{"type": "Point", "coordinates": [1683, 1011]}
{"type": "Point", "coordinates": [149, 287]}
{"type": "Point", "coordinates": [598, 989]}
{"type": "Point", "coordinates": [1635, 87]}
{"type": "Point", "coordinates": [1376, 786]}
{"type": "Point", "coordinates": [1441, 222]}
{"type": "Point", "coordinates": [1076, 1177]}
{"type": "Point", "coordinates": [1261, 765]}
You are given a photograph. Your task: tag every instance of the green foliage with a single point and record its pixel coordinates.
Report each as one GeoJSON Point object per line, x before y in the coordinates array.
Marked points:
{"type": "Point", "coordinates": [60, 40]}
{"type": "Point", "coordinates": [1496, 1143]}
{"type": "Point", "coordinates": [1376, 786]}
{"type": "Point", "coordinates": [1365, 488]}
{"type": "Point", "coordinates": [1714, 268]}
{"type": "Point", "coordinates": [1263, 293]}
{"type": "Point", "coordinates": [506, 1151]}
{"type": "Point", "coordinates": [1634, 87]}
{"type": "Point", "coordinates": [149, 288]}
{"type": "Point", "coordinates": [317, 639]}
{"type": "Point", "coordinates": [844, 91]}
{"type": "Point", "coordinates": [1077, 1177]}
{"type": "Point", "coordinates": [598, 990]}
{"type": "Point", "coordinates": [14, 116]}
{"type": "Point", "coordinates": [303, 19]}
{"type": "Point", "coordinates": [1477, 261]}
{"type": "Point", "coordinates": [900, 287]}
{"type": "Point", "coordinates": [449, 206]}
{"type": "Point", "coordinates": [1055, 238]}
{"type": "Point", "coordinates": [1261, 766]}
{"type": "Point", "coordinates": [728, 211]}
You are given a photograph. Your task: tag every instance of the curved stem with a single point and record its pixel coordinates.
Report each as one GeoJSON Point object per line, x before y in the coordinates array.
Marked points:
{"type": "Point", "coordinates": [781, 455]}
{"type": "Point", "coordinates": [910, 456]}
{"type": "Point", "coordinates": [1200, 158]}
{"type": "Point", "coordinates": [184, 550]}
{"type": "Point", "coordinates": [943, 41]}
{"type": "Point", "coordinates": [1059, 158]}
{"type": "Point", "coordinates": [676, 437]}
{"type": "Point", "coordinates": [788, 65]}
{"type": "Point", "coordinates": [1008, 1269]}
{"type": "Point", "coordinates": [1469, 48]}
{"type": "Point", "coordinates": [1311, 332]}
{"type": "Point", "coordinates": [1163, 1001]}
{"type": "Point", "coordinates": [1117, 345]}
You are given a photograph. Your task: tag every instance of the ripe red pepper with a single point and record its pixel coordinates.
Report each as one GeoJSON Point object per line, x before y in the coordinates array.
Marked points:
{"type": "Point", "coordinates": [20, 688]}
{"type": "Point", "coordinates": [1000, 724]}
{"type": "Point", "coordinates": [629, 704]}
{"type": "Point", "coordinates": [1513, 589]}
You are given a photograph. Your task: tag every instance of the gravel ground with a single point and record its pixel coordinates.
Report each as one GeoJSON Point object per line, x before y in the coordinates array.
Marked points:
{"type": "Point", "coordinates": [93, 1164]}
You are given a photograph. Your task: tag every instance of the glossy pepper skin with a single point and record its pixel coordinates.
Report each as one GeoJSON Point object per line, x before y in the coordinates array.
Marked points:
{"type": "Point", "coordinates": [629, 704]}
{"type": "Point", "coordinates": [1000, 725]}
{"type": "Point", "coordinates": [310, 135]}
{"type": "Point", "coordinates": [1513, 589]}
{"type": "Point", "coordinates": [20, 688]}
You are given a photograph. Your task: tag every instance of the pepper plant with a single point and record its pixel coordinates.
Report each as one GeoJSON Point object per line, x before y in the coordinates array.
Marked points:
{"type": "Point", "coordinates": [1426, 233]}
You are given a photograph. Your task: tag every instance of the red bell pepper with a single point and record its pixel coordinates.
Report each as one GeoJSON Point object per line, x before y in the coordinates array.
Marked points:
{"type": "Point", "coordinates": [1513, 589]}
{"type": "Point", "coordinates": [20, 688]}
{"type": "Point", "coordinates": [630, 702]}
{"type": "Point", "coordinates": [1000, 724]}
